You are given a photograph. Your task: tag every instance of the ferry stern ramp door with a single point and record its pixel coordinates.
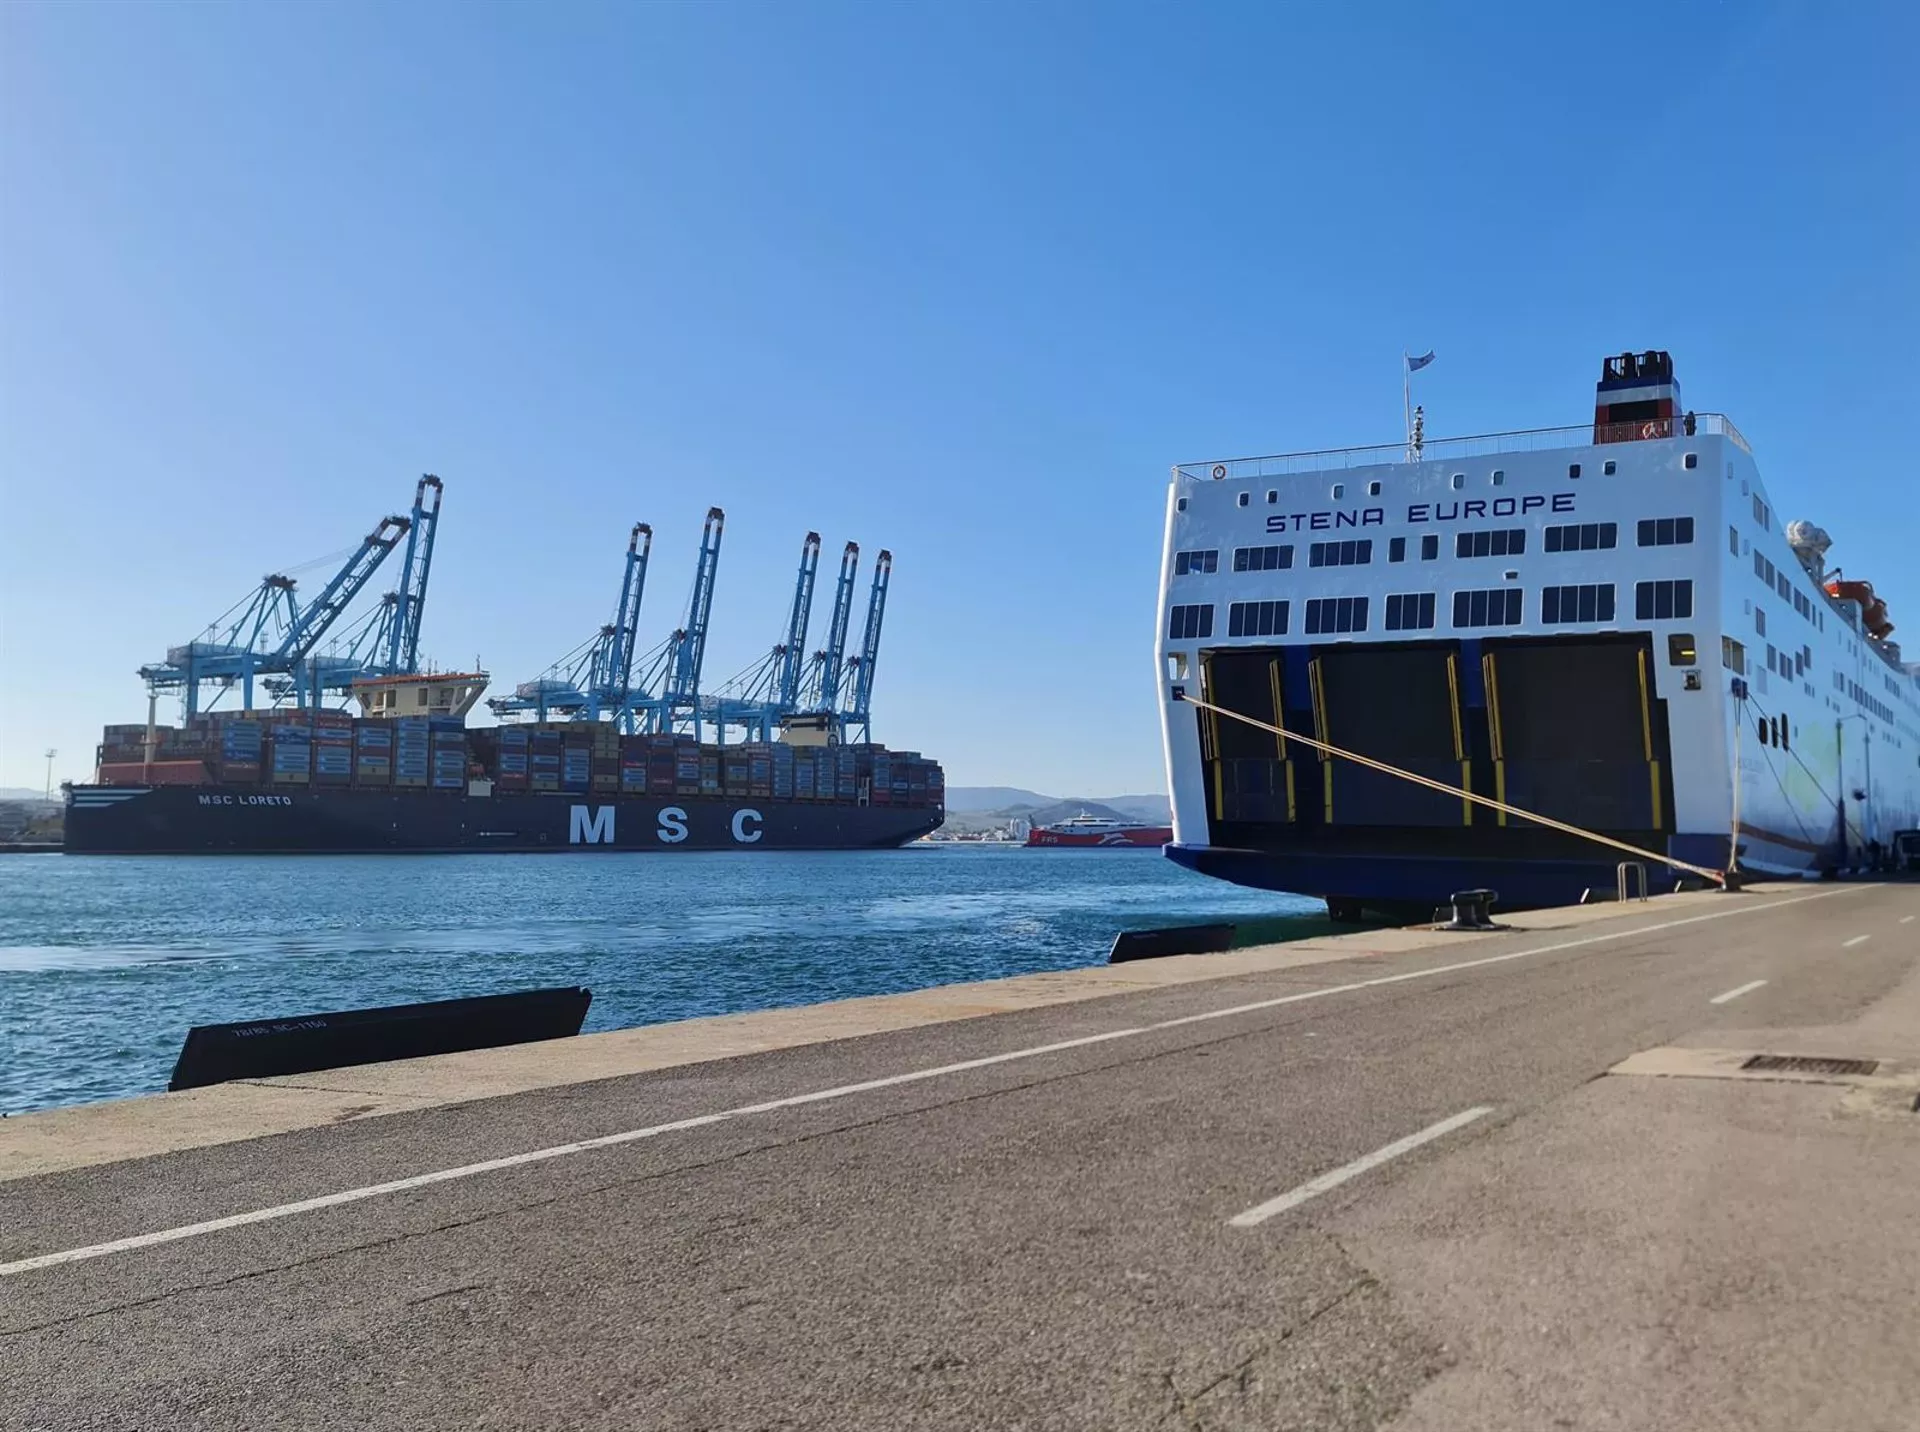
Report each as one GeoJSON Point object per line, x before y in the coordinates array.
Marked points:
{"type": "Point", "coordinates": [1572, 729]}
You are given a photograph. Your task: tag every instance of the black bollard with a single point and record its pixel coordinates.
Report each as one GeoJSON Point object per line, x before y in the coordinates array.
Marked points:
{"type": "Point", "coordinates": [1470, 910]}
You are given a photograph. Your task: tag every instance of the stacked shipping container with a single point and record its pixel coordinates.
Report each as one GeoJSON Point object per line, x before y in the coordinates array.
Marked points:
{"type": "Point", "coordinates": [330, 748]}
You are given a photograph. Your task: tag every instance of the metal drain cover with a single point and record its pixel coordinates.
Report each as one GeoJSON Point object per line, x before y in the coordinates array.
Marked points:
{"type": "Point", "coordinates": [1808, 1064]}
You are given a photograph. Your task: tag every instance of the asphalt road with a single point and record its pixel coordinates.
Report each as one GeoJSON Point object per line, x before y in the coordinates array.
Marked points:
{"type": "Point", "coordinates": [1042, 1237]}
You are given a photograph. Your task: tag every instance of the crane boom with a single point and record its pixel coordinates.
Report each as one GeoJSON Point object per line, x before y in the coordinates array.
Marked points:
{"type": "Point", "coordinates": [627, 625]}
{"type": "Point", "coordinates": [691, 641]}
{"type": "Point", "coordinates": [403, 640]}
{"type": "Point", "coordinates": [793, 657]}
{"type": "Point", "coordinates": [860, 701]}
{"type": "Point", "coordinates": [827, 685]}
{"type": "Point", "coordinates": [306, 629]}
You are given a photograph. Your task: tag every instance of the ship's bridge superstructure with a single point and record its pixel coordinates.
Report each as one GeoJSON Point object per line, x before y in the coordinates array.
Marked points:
{"type": "Point", "coordinates": [1607, 625]}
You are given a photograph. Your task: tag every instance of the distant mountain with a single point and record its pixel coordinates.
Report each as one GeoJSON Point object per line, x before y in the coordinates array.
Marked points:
{"type": "Point", "coordinates": [1151, 808]}
{"type": "Point", "coordinates": [983, 800]}
{"type": "Point", "coordinates": [1013, 800]}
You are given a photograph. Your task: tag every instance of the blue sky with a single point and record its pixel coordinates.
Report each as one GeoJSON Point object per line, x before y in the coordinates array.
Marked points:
{"type": "Point", "coordinates": [961, 281]}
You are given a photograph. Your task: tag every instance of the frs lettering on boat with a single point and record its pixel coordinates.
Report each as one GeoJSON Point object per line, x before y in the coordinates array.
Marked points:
{"type": "Point", "coordinates": [1422, 512]}
{"type": "Point", "coordinates": [593, 825]}
{"type": "Point", "coordinates": [224, 800]}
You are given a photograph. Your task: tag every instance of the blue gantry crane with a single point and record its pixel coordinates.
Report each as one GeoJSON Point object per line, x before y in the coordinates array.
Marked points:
{"type": "Point", "coordinates": [677, 663]}
{"type": "Point", "coordinates": [859, 696]}
{"type": "Point", "coordinates": [594, 681]}
{"type": "Point", "coordinates": [403, 634]}
{"type": "Point", "coordinates": [761, 695]}
{"type": "Point", "coordinates": [270, 633]}
{"type": "Point", "coordinates": [823, 680]}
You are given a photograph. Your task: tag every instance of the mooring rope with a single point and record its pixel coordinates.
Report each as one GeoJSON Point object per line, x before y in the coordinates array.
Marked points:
{"type": "Point", "coordinates": [1718, 877]}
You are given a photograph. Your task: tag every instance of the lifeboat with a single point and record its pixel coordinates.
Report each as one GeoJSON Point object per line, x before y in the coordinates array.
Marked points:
{"type": "Point", "coordinates": [1873, 611]}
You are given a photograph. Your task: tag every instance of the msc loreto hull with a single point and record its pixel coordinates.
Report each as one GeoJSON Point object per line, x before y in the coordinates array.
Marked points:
{"type": "Point", "coordinates": [186, 820]}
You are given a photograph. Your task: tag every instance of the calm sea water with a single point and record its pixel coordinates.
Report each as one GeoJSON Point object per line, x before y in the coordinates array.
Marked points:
{"type": "Point", "coordinates": [105, 962]}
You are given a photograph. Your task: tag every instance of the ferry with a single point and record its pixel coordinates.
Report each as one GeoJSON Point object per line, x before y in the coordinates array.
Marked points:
{"type": "Point", "coordinates": [1610, 625]}
{"type": "Point", "coordinates": [1093, 831]}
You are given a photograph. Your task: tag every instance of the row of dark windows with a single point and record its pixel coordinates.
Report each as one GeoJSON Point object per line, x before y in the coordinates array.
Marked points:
{"type": "Point", "coordinates": [1257, 619]}
{"type": "Point", "coordinates": [1497, 542]}
{"type": "Point", "coordinates": [1587, 602]}
{"type": "Point", "coordinates": [1783, 587]}
{"type": "Point", "coordinates": [1666, 531]}
{"type": "Point", "coordinates": [1331, 615]}
{"type": "Point", "coordinates": [1263, 559]}
{"type": "Point", "coordinates": [1410, 611]}
{"type": "Point", "coordinates": [1354, 552]}
{"type": "Point", "coordinates": [1204, 560]}
{"type": "Point", "coordinates": [1582, 537]}
{"type": "Point", "coordinates": [1494, 542]}
{"type": "Point", "coordinates": [1490, 607]}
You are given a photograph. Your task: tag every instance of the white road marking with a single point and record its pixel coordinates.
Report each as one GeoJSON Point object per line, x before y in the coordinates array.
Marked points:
{"type": "Point", "coordinates": [1906, 919]}
{"type": "Point", "coordinates": [1856, 940]}
{"type": "Point", "coordinates": [534, 1156]}
{"type": "Point", "coordinates": [1734, 994]}
{"type": "Point", "coordinates": [1313, 1188]}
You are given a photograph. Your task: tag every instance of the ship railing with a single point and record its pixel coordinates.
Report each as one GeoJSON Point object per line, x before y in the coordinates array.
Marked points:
{"type": "Point", "coordinates": [1455, 449]}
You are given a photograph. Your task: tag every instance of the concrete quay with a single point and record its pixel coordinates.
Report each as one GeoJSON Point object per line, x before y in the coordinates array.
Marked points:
{"type": "Point", "coordinates": [1394, 1179]}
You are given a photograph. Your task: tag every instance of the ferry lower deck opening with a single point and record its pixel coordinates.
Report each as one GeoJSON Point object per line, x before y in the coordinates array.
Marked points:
{"type": "Point", "coordinates": [1570, 727]}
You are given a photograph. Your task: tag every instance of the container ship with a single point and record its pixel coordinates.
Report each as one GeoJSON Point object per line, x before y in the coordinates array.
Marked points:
{"type": "Point", "coordinates": [1609, 625]}
{"type": "Point", "coordinates": [611, 750]}
{"type": "Point", "coordinates": [1098, 832]}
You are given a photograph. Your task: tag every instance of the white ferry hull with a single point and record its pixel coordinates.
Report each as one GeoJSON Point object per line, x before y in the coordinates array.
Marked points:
{"type": "Point", "coordinates": [1612, 633]}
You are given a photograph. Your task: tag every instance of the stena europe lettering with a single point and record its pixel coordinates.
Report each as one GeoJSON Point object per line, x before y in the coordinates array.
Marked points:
{"type": "Point", "coordinates": [1327, 521]}
{"type": "Point", "coordinates": [1474, 509]}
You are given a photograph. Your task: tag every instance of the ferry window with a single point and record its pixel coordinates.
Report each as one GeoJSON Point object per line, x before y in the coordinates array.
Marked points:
{"type": "Point", "coordinates": [1733, 656]}
{"type": "Point", "coordinates": [1607, 469]}
{"type": "Point", "coordinates": [1692, 460]}
{"type": "Point", "coordinates": [1397, 549]}
{"type": "Point", "coordinates": [1502, 542]}
{"type": "Point", "coordinates": [1783, 586]}
{"type": "Point", "coordinates": [1760, 620]}
{"type": "Point", "coordinates": [1339, 491]}
{"type": "Point", "coordinates": [1327, 616]}
{"type": "Point", "coordinates": [1196, 562]}
{"type": "Point", "coordinates": [1459, 481]}
{"type": "Point", "coordinates": [1257, 619]}
{"type": "Point", "coordinates": [1733, 540]}
{"type": "Point", "coordinates": [1263, 559]}
{"type": "Point", "coordinates": [1573, 469]}
{"type": "Point", "coordinates": [1351, 553]}
{"type": "Point", "coordinates": [1180, 504]}
{"type": "Point", "coordinates": [1499, 478]}
{"type": "Point", "coordinates": [1410, 611]}
{"type": "Point", "coordinates": [1243, 499]}
{"type": "Point", "coordinates": [1582, 536]}
{"type": "Point", "coordinates": [1499, 607]}
{"type": "Point", "coordinates": [1663, 601]}
{"type": "Point", "coordinates": [1681, 650]}
{"type": "Point", "coordinates": [1273, 496]}
{"type": "Point", "coordinates": [1786, 730]}
{"type": "Point", "coordinates": [1190, 623]}
{"type": "Point", "coordinates": [1429, 547]}
{"type": "Point", "coordinates": [1587, 602]}
{"type": "Point", "coordinates": [1760, 513]}
{"type": "Point", "coordinates": [1764, 732]}
{"type": "Point", "coordinates": [1176, 666]}
{"type": "Point", "coordinates": [1666, 531]}
{"type": "Point", "coordinates": [1373, 489]}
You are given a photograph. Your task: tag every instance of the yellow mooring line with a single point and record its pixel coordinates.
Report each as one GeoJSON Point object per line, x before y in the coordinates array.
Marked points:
{"type": "Point", "coordinates": [1718, 877]}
